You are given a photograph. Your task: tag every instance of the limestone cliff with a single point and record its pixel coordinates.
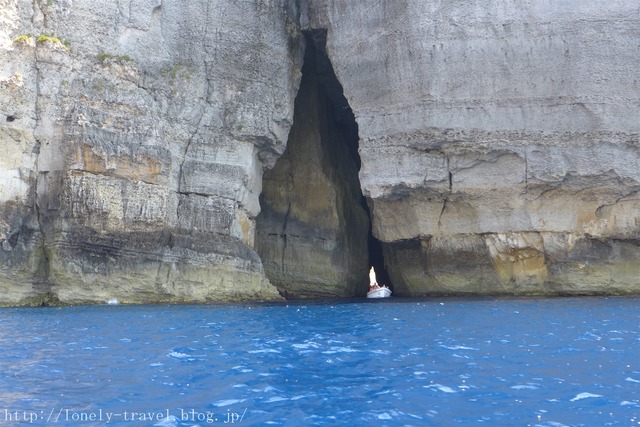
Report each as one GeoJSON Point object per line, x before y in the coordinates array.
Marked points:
{"type": "Point", "coordinates": [133, 139]}
{"type": "Point", "coordinates": [498, 148]}
{"type": "Point", "coordinates": [499, 140]}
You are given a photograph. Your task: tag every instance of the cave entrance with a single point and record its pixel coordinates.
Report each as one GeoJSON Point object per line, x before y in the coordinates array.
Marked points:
{"type": "Point", "coordinates": [314, 232]}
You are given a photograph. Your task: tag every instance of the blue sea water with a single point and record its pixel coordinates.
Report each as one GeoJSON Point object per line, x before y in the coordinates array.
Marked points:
{"type": "Point", "coordinates": [507, 362]}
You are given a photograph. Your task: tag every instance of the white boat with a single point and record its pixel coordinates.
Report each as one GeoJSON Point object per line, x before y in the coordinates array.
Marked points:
{"type": "Point", "coordinates": [382, 292]}
{"type": "Point", "coordinates": [375, 290]}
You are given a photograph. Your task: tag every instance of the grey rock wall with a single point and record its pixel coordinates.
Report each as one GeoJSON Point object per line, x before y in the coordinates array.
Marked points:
{"type": "Point", "coordinates": [499, 143]}
{"type": "Point", "coordinates": [499, 140]}
{"type": "Point", "coordinates": [133, 140]}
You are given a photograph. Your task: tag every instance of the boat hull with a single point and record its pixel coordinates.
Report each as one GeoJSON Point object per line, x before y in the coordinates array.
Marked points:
{"type": "Point", "coordinates": [379, 293]}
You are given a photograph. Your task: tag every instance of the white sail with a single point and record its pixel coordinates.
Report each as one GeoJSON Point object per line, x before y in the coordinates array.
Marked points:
{"type": "Point", "coordinates": [372, 277]}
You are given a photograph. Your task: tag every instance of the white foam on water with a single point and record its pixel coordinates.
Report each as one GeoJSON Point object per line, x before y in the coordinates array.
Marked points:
{"type": "Point", "coordinates": [302, 396]}
{"type": "Point", "coordinates": [633, 380]}
{"type": "Point", "coordinates": [340, 350]}
{"type": "Point", "coordinates": [305, 345]}
{"type": "Point", "coordinates": [460, 356]}
{"type": "Point", "coordinates": [442, 388]}
{"type": "Point", "coordinates": [384, 416]}
{"type": "Point", "coordinates": [458, 347]}
{"type": "Point", "coordinates": [276, 399]}
{"type": "Point", "coordinates": [524, 387]}
{"type": "Point", "coordinates": [585, 395]}
{"type": "Point", "coordinates": [227, 402]}
{"type": "Point", "coordinates": [178, 355]}
{"type": "Point", "coordinates": [170, 421]}
{"type": "Point", "coordinates": [266, 350]}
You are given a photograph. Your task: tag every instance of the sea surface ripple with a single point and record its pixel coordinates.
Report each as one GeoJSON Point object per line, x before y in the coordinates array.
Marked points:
{"type": "Point", "coordinates": [439, 362]}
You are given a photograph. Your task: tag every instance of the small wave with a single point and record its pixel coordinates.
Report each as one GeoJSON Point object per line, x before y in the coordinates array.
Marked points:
{"type": "Point", "coordinates": [178, 355]}
{"type": "Point", "coordinates": [442, 388]}
{"type": "Point", "coordinates": [585, 395]}
{"type": "Point", "coordinates": [633, 380]}
{"type": "Point", "coordinates": [589, 336]}
{"type": "Point", "coordinates": [302, 396]}
{"type": "Point", "coordinates": [170, 421]}
{"type": "Point", "coordinates": [227, 402]}
{"type": "Point", "coordinates": [340, 350]}
{"type": "Point", "coordinates": [305, 346]}
{"type": "Point", "coordinates": [98, 347]}
{"type": "Point", "coordinates": [458, 347]}
{"type": "Point", "coordinates": [266, 350]}
{"type": "Point", "coordinates": [242, 369]}
{"type": "Point", "coordinates": [524, 387]}
{"type": "Point", "coordinates": [275, 399]}
{"type": "Point", "coordinates": [460, 356]}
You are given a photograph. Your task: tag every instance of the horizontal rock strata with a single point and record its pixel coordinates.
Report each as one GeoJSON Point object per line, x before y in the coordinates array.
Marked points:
{"type": "Point", "coordinates": [498, 149]}
{"type": "Point", "coordinates": [499, 141]}
{"type": "Point", "coordinates": [133, 141]}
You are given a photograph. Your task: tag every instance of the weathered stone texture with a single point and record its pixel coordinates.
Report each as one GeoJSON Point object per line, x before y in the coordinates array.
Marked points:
{"type": "Point", "coordinates": [132, 144]}
{"type": "Point", "coordinates": [312, 231]}
{"type": "Point", "coordinates": [499, 140]}
{"type": "Point", "coordinates": [499, 143]}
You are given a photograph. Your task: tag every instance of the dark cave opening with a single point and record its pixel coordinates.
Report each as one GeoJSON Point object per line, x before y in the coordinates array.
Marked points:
{"type": "Point", "coordinates": [314, 233]}
{"type": "Point", "coordinates": [347, 125]}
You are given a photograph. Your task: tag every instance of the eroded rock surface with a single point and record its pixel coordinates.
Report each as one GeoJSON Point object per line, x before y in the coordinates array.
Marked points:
{"type": "Point", "coordinates": [499, 140]}
{"type": "Point", "coordinates": [499, 147]}
{"type": "Point", "coordinates": [133, 138]}
{"type": "Point", "coordinates": [312, 231]}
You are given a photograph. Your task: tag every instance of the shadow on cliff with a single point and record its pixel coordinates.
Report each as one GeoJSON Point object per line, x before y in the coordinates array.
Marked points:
{"type": "Point", "coordinates": [314, 230]}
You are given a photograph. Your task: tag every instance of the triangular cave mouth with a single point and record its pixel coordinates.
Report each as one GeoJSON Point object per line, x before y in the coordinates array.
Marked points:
{"type": "Point", "coordinates": [322, 117]}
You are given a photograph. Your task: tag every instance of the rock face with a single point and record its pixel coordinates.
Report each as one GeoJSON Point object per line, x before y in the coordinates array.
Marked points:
{"type": "Point", "coordinates": [499, 140]}
{"type": "Point", "coordinates": [133, 139]}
